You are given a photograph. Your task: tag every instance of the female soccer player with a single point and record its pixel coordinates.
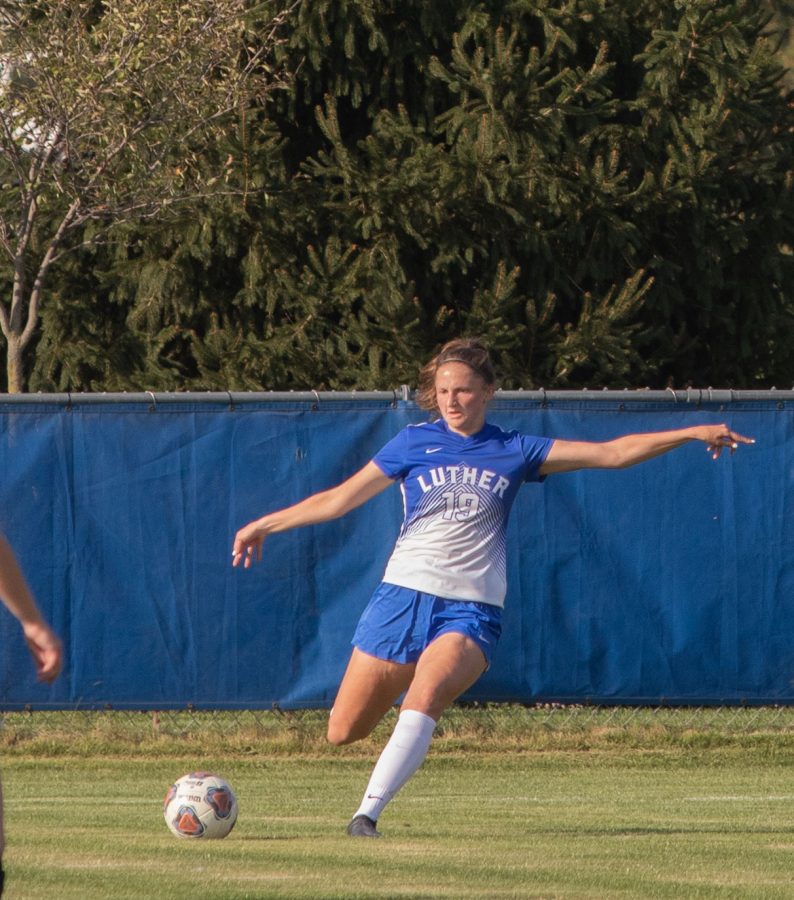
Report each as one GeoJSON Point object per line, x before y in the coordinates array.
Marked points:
{"type": "Point", "coordinates": [433, 622]}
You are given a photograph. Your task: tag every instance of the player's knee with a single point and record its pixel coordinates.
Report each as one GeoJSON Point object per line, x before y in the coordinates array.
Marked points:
{"type": "Point", "coordinates": [340, 732]}
{"type": "Point", "coordinates": [337, 735]}
{"type": "Point", "coordinates": [333, 734]}
{"type": "Point", "coordinates": [337, 739]}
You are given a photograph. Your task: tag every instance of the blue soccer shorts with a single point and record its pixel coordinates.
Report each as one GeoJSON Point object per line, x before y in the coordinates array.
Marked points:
{"type": "Point", "coordinates": [399, 623]}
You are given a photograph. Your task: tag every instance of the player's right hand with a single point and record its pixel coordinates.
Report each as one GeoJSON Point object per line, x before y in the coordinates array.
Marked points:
{"type": "Point", "coordinates": [46, 649]}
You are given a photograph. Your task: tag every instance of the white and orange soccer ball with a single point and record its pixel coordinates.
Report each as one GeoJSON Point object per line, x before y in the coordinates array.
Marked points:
{"type": "Point", "coordinates": [200, 805]}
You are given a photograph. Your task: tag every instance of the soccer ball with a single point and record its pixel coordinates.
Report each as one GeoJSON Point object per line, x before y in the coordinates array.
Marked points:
{"type": "Point", "coordinates": [200, 805]}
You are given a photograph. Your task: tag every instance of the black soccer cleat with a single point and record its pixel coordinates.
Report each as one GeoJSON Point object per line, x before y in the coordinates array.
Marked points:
{"type": "Point", "coordinates": [363, 826]}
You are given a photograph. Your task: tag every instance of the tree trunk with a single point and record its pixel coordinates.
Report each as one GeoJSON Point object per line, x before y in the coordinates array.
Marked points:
{"type": "Point", "coordinates": [16, 378]}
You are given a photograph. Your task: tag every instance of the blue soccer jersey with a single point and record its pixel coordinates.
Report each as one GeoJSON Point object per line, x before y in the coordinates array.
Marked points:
{"type": "Point", "coordinates": [457, 493]}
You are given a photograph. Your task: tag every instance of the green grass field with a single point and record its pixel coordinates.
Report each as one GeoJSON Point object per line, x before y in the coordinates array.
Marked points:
{"type": "Point", "coordinates": [503, 807]}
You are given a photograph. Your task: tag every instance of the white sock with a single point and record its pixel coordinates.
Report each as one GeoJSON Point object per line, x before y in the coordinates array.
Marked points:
{"type": "Point", "coordinates": [400, 758]}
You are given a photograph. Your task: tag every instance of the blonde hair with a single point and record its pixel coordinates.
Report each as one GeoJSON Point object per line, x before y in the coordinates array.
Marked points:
{"type": "Point", "coordinates": [469, 351]}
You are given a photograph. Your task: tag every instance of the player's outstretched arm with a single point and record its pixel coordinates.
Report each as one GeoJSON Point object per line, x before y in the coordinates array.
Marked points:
{"type": "Point", "coordinates": [43, 644]}
{"type": "Point", "coordinates": [320, 507]}
{"type": "Point", "coordinates": [567, 456]}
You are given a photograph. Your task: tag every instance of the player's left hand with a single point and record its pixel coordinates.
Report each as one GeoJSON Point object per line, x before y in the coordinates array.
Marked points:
{"type": "Point", "coordinates": [719, 437]}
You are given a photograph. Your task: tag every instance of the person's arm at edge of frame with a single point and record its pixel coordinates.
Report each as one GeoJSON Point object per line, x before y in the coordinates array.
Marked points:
{"type": "Point", "coordinates": [43, 644]}
{"type": "Point", "coordinates": [619, 453]}
{"type": "Point", "coordinates": [320, 507]}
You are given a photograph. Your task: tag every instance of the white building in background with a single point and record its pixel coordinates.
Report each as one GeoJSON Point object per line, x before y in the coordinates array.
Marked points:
{"type": "Point", "coordinates": [27, 133]}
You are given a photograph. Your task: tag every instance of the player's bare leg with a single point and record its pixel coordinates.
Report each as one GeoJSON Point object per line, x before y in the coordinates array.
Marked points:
{"type": "Point", "coordinates": [370, 687]}
{"type": "Point", "coordinates": [448, 666]}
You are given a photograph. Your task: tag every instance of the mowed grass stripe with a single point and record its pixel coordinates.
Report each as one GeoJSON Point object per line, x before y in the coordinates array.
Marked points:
{"type": "Point", "coordinates": [568, 825]}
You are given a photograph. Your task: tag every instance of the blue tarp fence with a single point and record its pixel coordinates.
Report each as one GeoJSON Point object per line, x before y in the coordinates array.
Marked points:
{"type": "Point", "coordinates": [670, 582]}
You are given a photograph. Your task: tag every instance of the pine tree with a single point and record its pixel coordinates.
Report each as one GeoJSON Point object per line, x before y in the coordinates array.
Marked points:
{"type": "Point", "coordinates": [602, 190]}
